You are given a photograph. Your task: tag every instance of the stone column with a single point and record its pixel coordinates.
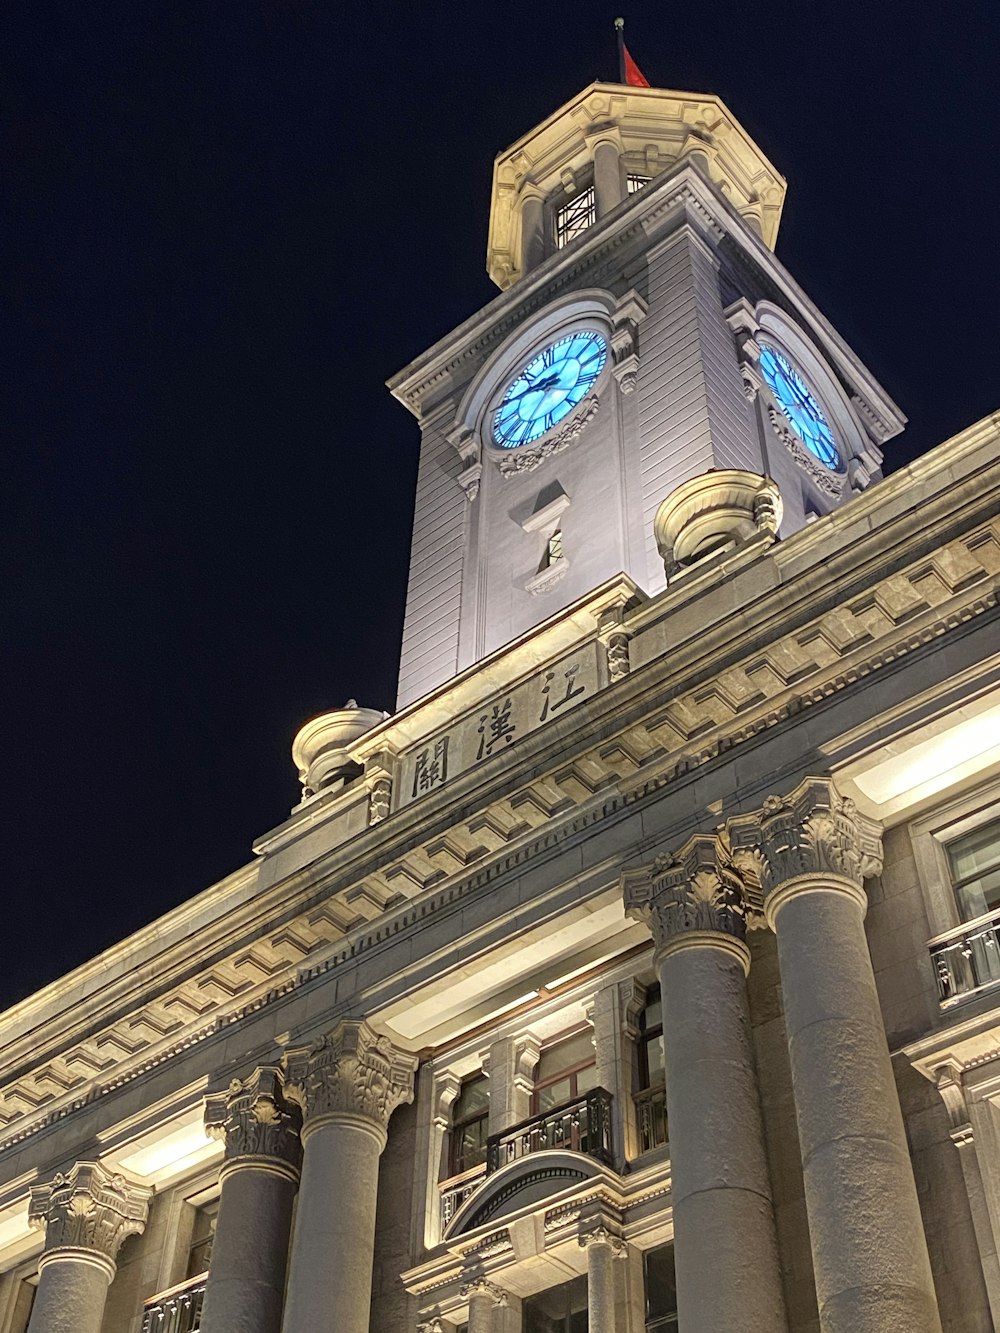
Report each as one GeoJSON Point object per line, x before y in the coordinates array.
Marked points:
{"type": "Point", "coordinates": [603, 1248]}
{"type": "Point", "coordinates": [607, 176]}
{"type": "Point", "coordinates": [484, 1297]}
{"type": "Point", "coordinates": [259, 1177]}
{"type": "Point", "coordinates": [86, 1213]}
{"type": "Point", "coordinates": [869, 1252]}
{"type": "Point", "coordinates": [725, 1245]}
{"type": "Point", "coordinates": [351, 1081]}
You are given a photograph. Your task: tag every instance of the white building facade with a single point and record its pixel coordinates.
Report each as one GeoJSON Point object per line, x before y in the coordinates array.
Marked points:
{"type": "Point", "coordinates": [642, 971]}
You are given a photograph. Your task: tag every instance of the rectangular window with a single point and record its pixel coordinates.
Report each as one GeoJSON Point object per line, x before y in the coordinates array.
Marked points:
{"type": "Point", "coordinates": [469, 1126]}
{"type": "Point", "coordinates": [634, 182]}
{"type": "Point", "coordinates": [202, 1238]}
{"type": "Point", "coordinates": [558, 1310]}
{"type": "Point", "coordinates": [661, 1289]}
{"type": "Point", "coordinates": [567, 1068]}
{"type": "Point", "coordinates": [23, 1302]}
{"type": "Point", "coordinates": [975, 870]}
{"type": "Point", "coordinates": [573, 219]}
{"type": "Point", "coordinates": [651, 1061]}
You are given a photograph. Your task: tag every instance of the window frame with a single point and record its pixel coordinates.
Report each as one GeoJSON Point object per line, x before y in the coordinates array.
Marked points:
{"type": "Point", "coordinates": [453, 1169]}
{"type": "Point", "coordinates": [569, 1072]}
{"type": "Point", "coordinates": [559, 208]}
{"type": "Point", "coordinates": [930, 835]}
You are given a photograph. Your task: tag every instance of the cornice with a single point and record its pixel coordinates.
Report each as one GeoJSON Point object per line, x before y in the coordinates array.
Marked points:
{"type": "Point", "coordinates": [787, 651]}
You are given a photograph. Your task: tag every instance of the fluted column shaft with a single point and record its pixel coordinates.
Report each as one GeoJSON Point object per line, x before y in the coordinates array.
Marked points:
{"type": "Point", "coordinates": [86, 1214]}
{"type": "Point", "coordinates": [260, 1175]}
{"type": "Point", "coordinates": [725, 1244]}
{"type": "Point", "coordinates": [351, 1081]}
{"type": "Point", "coordinates": [869, 1251]}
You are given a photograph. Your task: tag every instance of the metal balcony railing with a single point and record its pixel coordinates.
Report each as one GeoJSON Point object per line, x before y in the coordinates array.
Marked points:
{"type": "Point", "coordinates": [651, 1118]}
{"type": "Point", "coordinates": [582, 1125]}
{"type": "Point", "coordinates": [455, 1191]}
{"type": "Point", "coordinates": [967, 959]}
{"type": "Point", "coordinates": [177, 1310]}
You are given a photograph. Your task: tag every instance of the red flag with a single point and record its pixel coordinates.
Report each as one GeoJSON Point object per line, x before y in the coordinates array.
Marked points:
{"type": "Point", "coordinates": [633, 74]}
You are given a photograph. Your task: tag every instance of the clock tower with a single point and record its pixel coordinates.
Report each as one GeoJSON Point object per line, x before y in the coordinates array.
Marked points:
{"type": "Point", "coordinates": [650, 391]}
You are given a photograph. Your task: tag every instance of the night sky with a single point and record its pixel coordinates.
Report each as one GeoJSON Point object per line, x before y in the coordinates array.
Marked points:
{"type": "Point", "coordinates": [224, 226]}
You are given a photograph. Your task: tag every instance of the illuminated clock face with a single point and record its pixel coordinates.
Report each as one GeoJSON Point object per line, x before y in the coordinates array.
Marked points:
{"type": "Point", "coordinates": [799, 405]}
{"type": "Point", "coordinates": [548, 387]}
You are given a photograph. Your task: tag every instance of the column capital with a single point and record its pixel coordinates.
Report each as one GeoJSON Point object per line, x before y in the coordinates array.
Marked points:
{"type": "Point", "coordinates": [481, 1286]}
{"type": "Point", "coordinates": [697, 891]}
{"type": "Point", "coordinates": [602, 1235]}
{"type": "Point", "coordinates": [813, 832]}
{"type": "Point", "coordinates": [258, 1124]}
{"type": "Point", "coordinates": [87, 1212]}
{"type": "Point", "coordinates": [351, 1074]}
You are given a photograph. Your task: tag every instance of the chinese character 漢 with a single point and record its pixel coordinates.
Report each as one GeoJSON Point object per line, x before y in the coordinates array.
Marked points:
{"type": "Point", "coordinates": [431, 768]}
{"type": "Point", "coordinates": [571, 692]}
{"type": "Point", "coordinates": [495, 727]}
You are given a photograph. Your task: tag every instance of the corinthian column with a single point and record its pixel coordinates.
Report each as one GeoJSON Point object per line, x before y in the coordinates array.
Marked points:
{"type": "Point", "coordinates": [86, 1213]}
{"type": "Point", "coordinates": [725, 1246]}
{"type": "Point", "coordinates": [869, 1252]}
{"type": "Point", "coordinates": [603, 1248]}
{"type": "Point", "coordinates": [259, 1176]}
{"type": "Point", "coordinates": [351, 1081]}
{"type": "Point", "coordinates": [484, 1297]}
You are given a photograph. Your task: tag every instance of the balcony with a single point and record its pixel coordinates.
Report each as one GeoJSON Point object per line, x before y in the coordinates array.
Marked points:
{"type": "Point", "coordinates": [177, 1310]}
{"type": "Point", "coordinates": [967, 960]}
{"type": "Point", "coordinates": [455, 1191]}
{"type": "Point", "coordinates": [582, 1125]}
{"type": "Point", "coordinates": [651, 1118]}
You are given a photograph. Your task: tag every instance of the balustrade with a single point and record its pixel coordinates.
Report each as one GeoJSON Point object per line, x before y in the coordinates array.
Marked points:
{"type": "Point", "coordinates": [455, 1191]}
{"type": "Point", "coordinates": [177, 1310]}
{"type": "Point", "coordinates": [967, 959]}
{"type": "Point", "coordinates": [581, 1125]}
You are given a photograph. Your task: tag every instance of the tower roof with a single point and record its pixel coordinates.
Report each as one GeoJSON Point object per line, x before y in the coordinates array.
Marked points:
{"type": "Point", "coordinates": [652, 129]}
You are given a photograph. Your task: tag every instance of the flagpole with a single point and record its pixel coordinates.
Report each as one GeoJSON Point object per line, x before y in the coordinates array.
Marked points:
{"type": "Point", "coordinates": [620, 28]}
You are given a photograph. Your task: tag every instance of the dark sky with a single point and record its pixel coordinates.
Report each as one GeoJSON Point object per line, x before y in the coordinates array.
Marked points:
{"type": "Point", "coordinates": [224, 226]}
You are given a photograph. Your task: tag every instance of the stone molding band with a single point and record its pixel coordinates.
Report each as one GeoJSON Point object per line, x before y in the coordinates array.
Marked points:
{"type": "Point", "coordinates": [78, 1254]}
{"type": "Point", "coordinates": [803, 884]}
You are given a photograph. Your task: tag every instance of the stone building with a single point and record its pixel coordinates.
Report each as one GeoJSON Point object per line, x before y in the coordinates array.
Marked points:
{"type": "Point", "coordinates": [641, 970]}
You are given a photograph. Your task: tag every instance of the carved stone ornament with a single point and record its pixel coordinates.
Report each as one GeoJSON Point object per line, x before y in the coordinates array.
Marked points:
{"type": "Point", "coordinates": [255, 1120]}
{"type": "Point", "coordinates": [379, 800]}
{"type": "Point", "coordinates": [698, 889]}
{"type": "Point", "coordinates": [352, 1071]}
{"type": "Point", "coordinates": [629, 314]}
{"type": "Point", "coordinates": [812, 831]}
{"type": "Point", "coordinates": [89, 1208]}
{"type": "Point", "coordinates": [832, 483]}
{"type": "Point", "coordinates": [529, 456]}
{"type": "Point", "coordinates": [432, 1325]}
{"type": "Point", "coordinates": [601, 1235]}
{"type": "Point", "coordinates": [481, 1286]}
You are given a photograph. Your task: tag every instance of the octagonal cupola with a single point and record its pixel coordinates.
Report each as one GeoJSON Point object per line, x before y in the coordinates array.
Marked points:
{"type": "Point", "coordinates": [606, 144]}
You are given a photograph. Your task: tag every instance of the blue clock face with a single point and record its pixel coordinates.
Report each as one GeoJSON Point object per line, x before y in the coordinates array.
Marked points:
{"type": "Point", "coordinates": [548, 388]}
{"type": "Point", "coordinates": [799, 405]}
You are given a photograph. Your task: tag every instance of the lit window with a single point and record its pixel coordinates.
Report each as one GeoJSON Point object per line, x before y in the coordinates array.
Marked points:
{"type": "Point", "coordinates": [634, 182]}
{"type": "Point", "coordinates": [661, 1289]}
{"type": "Point", "coordinates": [651, 1063]}
{"type": "Point", "coordinates": [573, 219]}
{"type": "Point", "coordinates": [558, 1310]}
{"type": "Point", "coordinates": [469, 1126]}
{"type": "Point", "coordinates": [975, 870]}
{"type": "Point", "coordinates": [566, 1070]}
{"type": "Point", "coordinates": [202, 1239]}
